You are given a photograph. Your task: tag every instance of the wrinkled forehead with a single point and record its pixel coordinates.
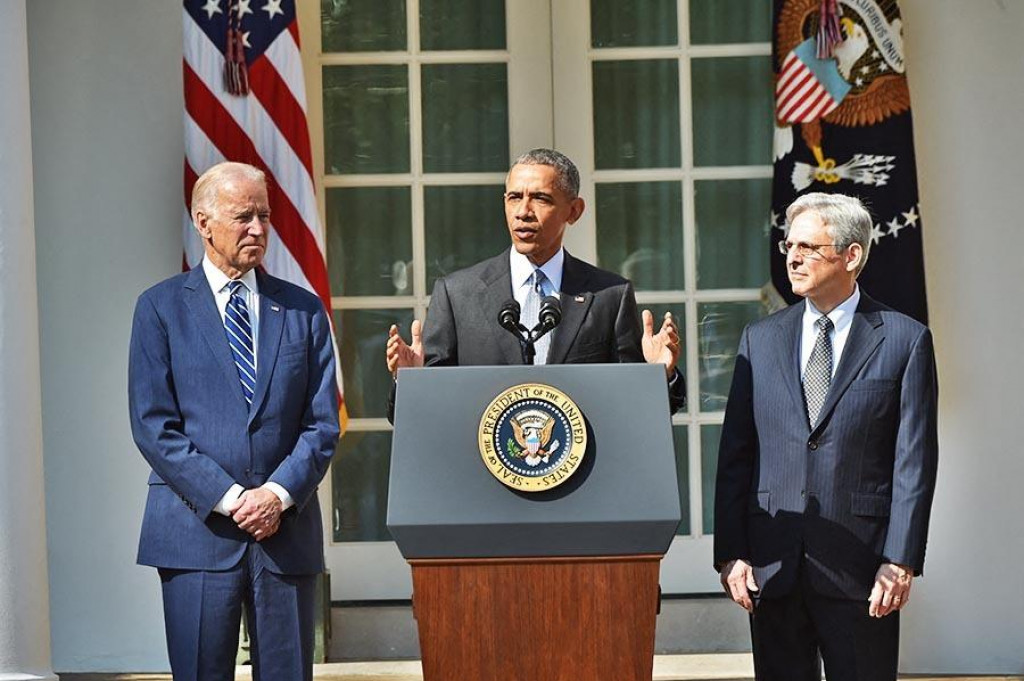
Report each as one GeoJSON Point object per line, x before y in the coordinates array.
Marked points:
{"type": "Point", "coordinates": [532, 177]}
{"type": "Point", "coordinates": [808, 226]}
{"type": "Point", "coordinates": [241, 191]}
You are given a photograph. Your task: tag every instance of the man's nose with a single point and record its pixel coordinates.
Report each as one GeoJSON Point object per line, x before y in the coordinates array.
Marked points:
{"type": "Point", "coordinates": [256, 226]}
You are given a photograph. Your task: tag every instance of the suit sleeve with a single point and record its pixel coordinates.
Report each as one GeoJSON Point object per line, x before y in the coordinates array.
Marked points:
{"type": "Point", "coordinates": [440, 340]}
{"type": "Point", "coordinates": [302, 470]}
{"type": "Point", "coordinates": [628, 340]}
{"type": "Point", "coordinates": [156, 420]}
{"type": "Point", "coordinates": [737, 456]}
{"type": "Point", "coordinates": [916, 459]}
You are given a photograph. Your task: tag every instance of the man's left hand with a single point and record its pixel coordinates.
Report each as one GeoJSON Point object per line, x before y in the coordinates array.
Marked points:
{"type": "Point", "coordinates": [259, 513]}
{"type": "Point", "coordinates": [661, 347]}
{"type": "Point", "coordinates": [891, 591]}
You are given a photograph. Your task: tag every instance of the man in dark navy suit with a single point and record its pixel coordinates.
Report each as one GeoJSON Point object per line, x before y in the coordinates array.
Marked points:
{"type": "Point", "coordinates": [233, 403]}
{"type": "Point", "coordinates": [827, 463]}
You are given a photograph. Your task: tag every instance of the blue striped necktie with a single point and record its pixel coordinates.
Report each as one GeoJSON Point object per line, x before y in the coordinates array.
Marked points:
{"type": "Point", "coordinates": [239, 332]}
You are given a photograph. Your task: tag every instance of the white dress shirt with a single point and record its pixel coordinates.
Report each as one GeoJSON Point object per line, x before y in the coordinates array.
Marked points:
{"type": "Point", "coordinates": [842, 319]}
{"type": "Point", "coordinates": [218, 282]}
{"type": "Point", "coordinates": [522, 269]}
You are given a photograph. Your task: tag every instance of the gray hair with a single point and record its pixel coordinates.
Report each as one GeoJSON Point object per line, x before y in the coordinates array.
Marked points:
{"type": "Point", "coordinates": [568, 175]}
{"type": "Point", "coordinates": [847, 220]}
{"type": "Point", "coordinates": [204, 193]}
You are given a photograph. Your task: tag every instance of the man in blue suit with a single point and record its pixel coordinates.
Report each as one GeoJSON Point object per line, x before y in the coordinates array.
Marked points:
{"type": "Point", "coordinates": [233, 403]}
{"type": "Point", "coordinates": [827, 462]}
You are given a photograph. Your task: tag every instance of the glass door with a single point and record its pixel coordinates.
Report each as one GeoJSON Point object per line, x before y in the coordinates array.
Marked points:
{"type": "Point", "coordinates": [666, 106]}
{"type": "Point", "coordinates": [415, 108]}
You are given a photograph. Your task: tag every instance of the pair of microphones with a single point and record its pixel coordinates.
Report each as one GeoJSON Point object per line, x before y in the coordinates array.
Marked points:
{"type": "Point", "coordinates": [548, 317]}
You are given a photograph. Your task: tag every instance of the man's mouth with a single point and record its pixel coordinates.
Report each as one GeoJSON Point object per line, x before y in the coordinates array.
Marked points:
{"type": "Point", "coordinates": [524, 232]}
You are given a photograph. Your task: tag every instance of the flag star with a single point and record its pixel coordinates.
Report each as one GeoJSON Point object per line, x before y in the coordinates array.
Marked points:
{"type": "Point", "coordinates": [911, 217]}
{"type": "Point", "coordinates": [876, 234]}
{"type": "Point", "coordinates": [245, 39]}
{"type": "Point", "coordinates": [875, 54]}
{"type": "Point", "coordinates": [865, 70]}
{"type": "Point", "coordinates": [894, 227]}
{"type": "Point", "coordinates": [272, 8]}
{"type": "Point", "coordinates": [883, 66]}
{"type": "Point", "coordinates": [212, 7]}
{"type": "Point", "coordinates": [775, 219]}
{"type": "Point", "coordinates": [859, 81]}
{"type": "Point", "coordinates": [243, 8]}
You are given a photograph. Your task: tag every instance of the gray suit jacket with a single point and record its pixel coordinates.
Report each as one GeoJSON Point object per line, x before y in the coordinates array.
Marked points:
{"type": "Point", "coordinates": [600, 320]}
{"type": "Point", "coordinates": [839, 499]}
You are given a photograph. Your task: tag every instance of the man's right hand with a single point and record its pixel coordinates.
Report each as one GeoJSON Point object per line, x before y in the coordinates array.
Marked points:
{"type": "Point", "coordinates": [737, 579]}
{"type": "Point", "coordinates": [401, 354]}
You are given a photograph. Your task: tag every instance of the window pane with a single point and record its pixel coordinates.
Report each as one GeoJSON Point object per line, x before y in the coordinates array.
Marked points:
{"type": "Point", "coordinates": [369, 241]}
{"type": "Point", "coordinates": [733, 123]}
{"type": "Point", "coordinates": [464, 225]}
{"type": "Point", "coordinates": [465, 118]}
{"type": "Point", "coordinates": [362, 25]}
{"type": "Point", "coordinates": [732, 232]}
{"type": "Point", "coordinates": [640, 232]}
{"type": "Point", "coordinates": [462, 24]}
{"type": "Point", "coordinates": [362, 335]}
{"type": "Point", "coordinates": [614, 23]}
{"type": "Point", "coordinates": [719, 326]}
{"type": "Point", "coordinates": [709, 438]}
{"type": "Point", "coordinates": [636, 114]}
{"type": "Point", "coordinates": [683, 477]}
{"type": "Point", "coordinates": [366, 119]}
{"type": "Point", "coordinates": [730, 21]}
{"type": "Point", "coordinates": [359, 487]}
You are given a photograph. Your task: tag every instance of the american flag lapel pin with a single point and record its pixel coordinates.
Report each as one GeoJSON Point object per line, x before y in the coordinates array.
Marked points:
{"type": "Point", "coordinates": [275, 308]}
{"type": "Point", "coordinates": [579, 299]}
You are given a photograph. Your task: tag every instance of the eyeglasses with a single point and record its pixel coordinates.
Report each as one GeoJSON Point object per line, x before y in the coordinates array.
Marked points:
{"type": "Point", "coordinates": [802, 249]}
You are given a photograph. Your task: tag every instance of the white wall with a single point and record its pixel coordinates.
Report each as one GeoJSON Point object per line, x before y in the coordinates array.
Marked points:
{"type": "Point", "coordinates": [107, 147]}
{"type": "Point", "coordinates": [107, 143]}
{"type": "Point", "coordinates": [966, 71]}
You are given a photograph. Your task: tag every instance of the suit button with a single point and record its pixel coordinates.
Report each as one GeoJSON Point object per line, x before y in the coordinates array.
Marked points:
{"type": "Point", "coordinates": [812, 445]}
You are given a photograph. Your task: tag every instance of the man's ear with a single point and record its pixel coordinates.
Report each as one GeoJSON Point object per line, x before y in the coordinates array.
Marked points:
{"type": "Point", "coordinates": [854, 256]}
{"type": "Point", "coordinates": [576, 208]}
{"type": "Point", "coordinates": [201, 224]}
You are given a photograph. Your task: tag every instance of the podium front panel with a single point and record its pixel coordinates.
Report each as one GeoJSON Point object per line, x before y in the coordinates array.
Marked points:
{"type": "Point", "coordinates": [443, 502]}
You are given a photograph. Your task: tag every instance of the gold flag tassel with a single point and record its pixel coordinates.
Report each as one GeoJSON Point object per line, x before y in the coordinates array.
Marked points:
{"type": "Point", "coordinates": [236, 76]}
{"type": "Point", "coordinates": [829, 31]}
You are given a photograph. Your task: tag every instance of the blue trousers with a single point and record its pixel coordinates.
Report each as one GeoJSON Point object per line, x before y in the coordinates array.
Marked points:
{"type": "Point", "coordinates": [203, 611]}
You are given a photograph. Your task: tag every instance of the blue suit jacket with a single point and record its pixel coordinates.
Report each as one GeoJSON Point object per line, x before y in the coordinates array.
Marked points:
{"type": "Point", "coordinates": [839, 499]}
{"type": "Point", "coordinates": [190, 421]}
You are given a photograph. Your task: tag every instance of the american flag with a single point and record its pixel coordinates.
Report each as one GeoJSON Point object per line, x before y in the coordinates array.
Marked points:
{"type": "Point", "coordinates": [245, 100]}
{"type": "Point", "coordinates": [808, 88]}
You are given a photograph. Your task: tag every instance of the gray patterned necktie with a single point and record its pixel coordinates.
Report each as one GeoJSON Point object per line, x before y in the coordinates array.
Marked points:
{"type": "Point", "coordinates": [531, 314]}
{"type": "Point", "coordinates": [818, 376]}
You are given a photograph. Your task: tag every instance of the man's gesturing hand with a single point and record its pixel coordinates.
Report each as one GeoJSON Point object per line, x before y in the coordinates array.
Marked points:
{"type": "Point", "coordinates": [661, 347]}
{"type": "Point", "coordinates": [737, 579]}
{"type": "Point", "coordinates": [259, 513]}
{"type": "Point", "coordinates": [401, 354]}
{"type": "Point", "coordinates": [891, 591]}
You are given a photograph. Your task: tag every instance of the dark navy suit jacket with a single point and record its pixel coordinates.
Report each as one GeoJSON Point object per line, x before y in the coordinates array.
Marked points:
{"type": "Point", "coordinates": [839, 499]}
{"type": "Point", "coordinates": [190, 421]}
{"type": "Point", "coordinates": [600, 321]}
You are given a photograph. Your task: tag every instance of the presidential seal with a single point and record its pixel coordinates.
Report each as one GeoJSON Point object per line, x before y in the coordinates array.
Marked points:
{"type": "Point", "coordinates": [532, 437]}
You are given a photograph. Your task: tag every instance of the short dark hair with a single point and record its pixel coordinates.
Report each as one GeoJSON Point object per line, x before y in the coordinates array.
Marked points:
{"type": "Point", "coordinates": [568, 175]}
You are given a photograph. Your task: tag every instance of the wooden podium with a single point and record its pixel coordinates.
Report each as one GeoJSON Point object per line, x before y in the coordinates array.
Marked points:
{"type": "Point", "coordinates": [560, 585]}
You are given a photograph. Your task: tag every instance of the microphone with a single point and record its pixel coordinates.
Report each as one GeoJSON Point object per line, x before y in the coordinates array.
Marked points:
{"type": "Point", "coordinates": [550, 314]}
{"type": "Point", "coordinates": [508, 316]}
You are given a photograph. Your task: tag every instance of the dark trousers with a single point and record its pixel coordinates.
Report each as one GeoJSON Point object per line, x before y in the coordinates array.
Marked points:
{"type": "Point", "coordinates": [794, 634]}
{"type": "Point", "coordinates": [203, 611]}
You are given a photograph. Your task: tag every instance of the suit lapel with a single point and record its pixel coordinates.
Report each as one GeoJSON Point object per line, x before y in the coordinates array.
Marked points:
{"type": "Point", "coordinates": [199, 300]}
{"type": "Point", "coordinates": [496, 282]}
{"type": "Point", "coordinates": [575, 300]}
{"type": "Point", "coordinates": [271, 325]}
{"type": "Point", "coordinates": [866, 333]}
{"type": "Point", "coordinates": [789, 340]}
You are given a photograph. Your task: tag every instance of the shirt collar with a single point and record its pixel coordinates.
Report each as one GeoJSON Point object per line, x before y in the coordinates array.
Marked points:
{"type": "Point", "coordinates": [218, 280]}
{"type": "Point", "coordinates": [841, 315]}
{"type": "Point", "coordinates": [522, 269]}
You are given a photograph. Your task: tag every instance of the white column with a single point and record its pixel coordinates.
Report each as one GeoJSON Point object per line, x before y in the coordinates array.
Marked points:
{"type": "Point", "coordinates": [24, 586]}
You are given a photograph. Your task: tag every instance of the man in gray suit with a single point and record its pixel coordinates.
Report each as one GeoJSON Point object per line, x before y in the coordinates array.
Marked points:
{"type": "Point", "coordinates": [827, 462]}
{"type": "Point", "coordinates": [600, 322]}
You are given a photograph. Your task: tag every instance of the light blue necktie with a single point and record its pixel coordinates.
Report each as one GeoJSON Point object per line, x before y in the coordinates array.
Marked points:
{"type": "Point", "coordinates": [531, 314]}
{"type": "Point", "coordinates": [239, 333]}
